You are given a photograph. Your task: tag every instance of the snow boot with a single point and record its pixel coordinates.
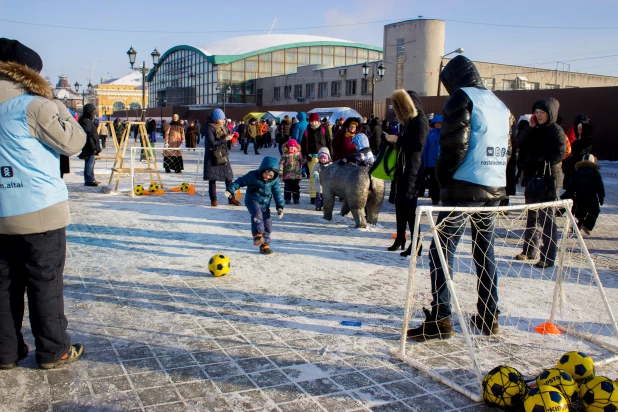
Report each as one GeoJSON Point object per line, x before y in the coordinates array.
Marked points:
{"type": "Point", "coordinates": [258, 240]}
{"type": "Point", "coordinates": [266, 250]}
{"type": "Point", "coordinates": [75, 352]}
{"type": "Point", "coordinates": [432, 328]}
{"type": "Point", "coordinates": [487, 324]}
{"type": "Point", "coordinates": [233, 201]}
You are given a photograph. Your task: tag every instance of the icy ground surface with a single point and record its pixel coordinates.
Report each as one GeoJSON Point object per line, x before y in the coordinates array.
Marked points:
{"type": "Point", "coordinates": [162, 334]}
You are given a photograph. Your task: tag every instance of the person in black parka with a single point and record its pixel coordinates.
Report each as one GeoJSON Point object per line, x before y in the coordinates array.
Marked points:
{"type": "Point", "coordinates": [541, 142]}
{"type": "Point", "coordinates": [217, 135]}
{"type": "Point", "coordinates": [408, 179]}
{"type": "Point", "coordinates": [581, 146]}
{"type": "Point", "coordinates": [92, 146]}
{"type": "Point", "coordinates": [587, 188]}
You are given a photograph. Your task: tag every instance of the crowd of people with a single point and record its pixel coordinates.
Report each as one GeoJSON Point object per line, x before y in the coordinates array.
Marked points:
{"type": "Point", "coordinates": [473, 154]}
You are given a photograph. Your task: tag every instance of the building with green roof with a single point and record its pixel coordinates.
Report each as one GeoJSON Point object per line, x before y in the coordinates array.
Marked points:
{"type": "Point", "coordinates": [228, 69]}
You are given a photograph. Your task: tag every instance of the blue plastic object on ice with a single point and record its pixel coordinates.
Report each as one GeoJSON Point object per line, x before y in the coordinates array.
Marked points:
{"type": "Point", "coordinates": [351, 323]}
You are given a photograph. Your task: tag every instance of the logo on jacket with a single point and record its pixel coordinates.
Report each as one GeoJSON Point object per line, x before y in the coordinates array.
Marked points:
{"type": "Point", "coordinates": [490, 151]}
{"type": "Point", "coordinates": [6, 171]}
{"type": "Point", "coordinates": [504, 152]}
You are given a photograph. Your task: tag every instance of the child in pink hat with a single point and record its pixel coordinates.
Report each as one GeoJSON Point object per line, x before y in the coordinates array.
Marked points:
{"type": "Point", "coordinates": [290, 171]}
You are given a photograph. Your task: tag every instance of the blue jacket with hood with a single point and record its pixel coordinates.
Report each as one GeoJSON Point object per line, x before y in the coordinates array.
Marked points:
{"type": "Point", "coordinates": [259, 190]}
{"type": "Point", "coordinates": [432, 146]}
{"type": "Point", "coordinates": [300, 127]}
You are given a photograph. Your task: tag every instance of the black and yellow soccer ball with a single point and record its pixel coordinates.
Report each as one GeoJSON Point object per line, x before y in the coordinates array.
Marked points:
{"type": "Point", "coordinates": [184, 187]}
{"type": "Point", "coordinates": [138, 190]}
{"type": "Point", "coordinates": [545, 399]}
{"type": "Point", "coordinates": [577, 364]}
{"type": "Point", "coordinates": [599, 394]}
{"type": "Point", "coordinates": [154, 186]}
{"type": "Point", "coordinates": [219, 265]}
{"type": "Point", "coordinates": [560, 380]}
{"type": "Point", "coordinates": [504, 387]}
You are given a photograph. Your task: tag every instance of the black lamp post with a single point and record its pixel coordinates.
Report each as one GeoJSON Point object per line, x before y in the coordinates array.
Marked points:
{"type": "Point", "coordinates": [162, 102]}
{"type": "Point", "coordinates": [374, 79]}
{"type": "Point", "coordinates": [458, 51]}
{"type": "Point", "coordinates": [84, 93]}
{"type": "Point", "coordinates": [143, 70]}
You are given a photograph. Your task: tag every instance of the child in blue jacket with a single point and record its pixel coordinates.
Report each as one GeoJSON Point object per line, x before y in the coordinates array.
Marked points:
{"type": "Point", "coordinates": [262, 185]}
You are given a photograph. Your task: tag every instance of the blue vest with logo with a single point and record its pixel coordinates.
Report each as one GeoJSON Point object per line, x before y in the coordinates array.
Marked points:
{"type": "Point", "coordinates": [485, 161]}
{"type": "Point", "coordinates": [29, 171]}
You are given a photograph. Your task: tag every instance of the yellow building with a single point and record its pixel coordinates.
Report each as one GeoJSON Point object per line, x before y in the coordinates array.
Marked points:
{"type": "Point", "coordinates": [119, 94]}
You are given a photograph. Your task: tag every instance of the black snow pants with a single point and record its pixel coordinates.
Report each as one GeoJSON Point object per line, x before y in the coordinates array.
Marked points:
{"type": "Point", "coordinates": [33, 264]}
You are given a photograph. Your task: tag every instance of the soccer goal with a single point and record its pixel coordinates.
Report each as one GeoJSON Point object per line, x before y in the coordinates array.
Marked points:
{"type": "Point", "coordinates": [544, 312]}
{"type": "Point", "coordinates": [175, 167]}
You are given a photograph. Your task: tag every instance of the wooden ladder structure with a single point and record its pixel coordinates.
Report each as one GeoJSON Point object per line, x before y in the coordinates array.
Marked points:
{"type": "Point", "coordinates": [119, 167]}
{"type": "Point", "coordinates": [112, 133]}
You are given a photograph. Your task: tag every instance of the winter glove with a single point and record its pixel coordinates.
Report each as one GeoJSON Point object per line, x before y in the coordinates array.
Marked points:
{"type": "Point", "coordinates": [601, 201]}
{"type": "Point", "coordinates": [280, 212]}
{"type": "Point", "coordinates": [166, 145]}
{"type": "Point", "coordinates": [227, 194]}
{"type": "Point", "coordinates": [316, 175]}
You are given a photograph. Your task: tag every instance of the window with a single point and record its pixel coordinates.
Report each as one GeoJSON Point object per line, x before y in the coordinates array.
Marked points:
{"type": "Point", "coordinates": [489, 83]}
{"type": "Point", "coordinates": [335, 88]}
{"type": "Point", "coordinates": [350, 87]}
{"type": "Point", "coordinates": [322, 89]}
{"type": "Point", "coordinates": [310, 90]}
{"type": "Point", "coordinates": [400, 48]}
{"type": "Point", "coordinates": [298, 91]}
{"type": "Point", "coordinates": [277, 93]}
{"type": "Point", "coordinates": [366, 86]}
{"type": "Point", "coordinates": [508, 84]}
{"type": "Point", "coordinates": [287, 92]}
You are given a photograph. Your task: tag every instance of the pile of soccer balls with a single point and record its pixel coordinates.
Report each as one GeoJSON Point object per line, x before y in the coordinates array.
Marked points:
{"type": "Point", "coordinates": [572, 385]}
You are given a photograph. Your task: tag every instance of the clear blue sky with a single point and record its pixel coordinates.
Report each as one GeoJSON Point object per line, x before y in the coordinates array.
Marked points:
{"type": "Point", "coordinates": [82, 53]}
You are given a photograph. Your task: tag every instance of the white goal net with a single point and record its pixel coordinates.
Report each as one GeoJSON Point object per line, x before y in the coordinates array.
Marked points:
{"type": "Point", "coordinates": [543, 312]}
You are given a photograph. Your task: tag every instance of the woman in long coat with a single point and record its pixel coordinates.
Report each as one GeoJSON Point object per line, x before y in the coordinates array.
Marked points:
{"type": "Point", "coordinates": [174, 137]}
{"type": "Point", "coordinates": [191, 137]}
{"type": "Point", "coordinates": [407, 183]}
{"type": "Point", "coordinates": [217, 136]}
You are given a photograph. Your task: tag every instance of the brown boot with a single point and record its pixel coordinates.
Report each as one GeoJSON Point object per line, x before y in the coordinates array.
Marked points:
{"type": "Point", "coordinates": [214, 203]}
{"type": "Point", "coordinates": [432, 328]}
{"type": "Point", "coordinates": [234, 202]}
{"type": "Point", "coordinates": [487, 324]}
{"type": "Point", "coordinates": [258, 240]}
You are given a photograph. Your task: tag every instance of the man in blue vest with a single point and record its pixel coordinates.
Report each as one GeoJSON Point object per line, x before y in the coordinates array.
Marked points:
{"type": "Point", "coordinates": [471, 170]}
{"type": "Point", "coordinates": [35, 130]}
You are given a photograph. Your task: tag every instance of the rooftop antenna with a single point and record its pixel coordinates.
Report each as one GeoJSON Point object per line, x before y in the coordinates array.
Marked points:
{"type": "Point", "coordinates": [272, 26]}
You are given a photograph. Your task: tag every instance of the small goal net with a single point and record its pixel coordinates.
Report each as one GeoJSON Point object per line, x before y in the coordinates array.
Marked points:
{"type": "Point", "coordinates": [543, 312]}
{"type": "Point", "coordinates": [169, 168]}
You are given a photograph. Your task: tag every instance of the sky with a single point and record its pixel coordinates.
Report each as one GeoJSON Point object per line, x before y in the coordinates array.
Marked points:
{"type": "Point", "coordinates": [99, 33]}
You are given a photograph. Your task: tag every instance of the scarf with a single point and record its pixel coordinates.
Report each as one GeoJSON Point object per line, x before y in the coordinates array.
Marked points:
{"type": "Point", "coordinates": [220, 130]}
{"type": "Point", "coordinates": [350, 135]}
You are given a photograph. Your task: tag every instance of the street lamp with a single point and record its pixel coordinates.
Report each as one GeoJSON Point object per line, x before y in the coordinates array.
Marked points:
{"type": "Point", "coordinates": [84, 93]}
{"type": "Point", "coordinates": [143, 70]}
{"type": "Point", "coordinates": [381, 70]}
{"type": "Point", "coordinates": [162, 102]}
{"type": "Point", "coordinates": [458, 51]}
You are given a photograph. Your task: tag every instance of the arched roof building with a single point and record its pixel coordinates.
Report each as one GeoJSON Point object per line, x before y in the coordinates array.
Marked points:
{"type": "Point", "coordinates": [188, 75]}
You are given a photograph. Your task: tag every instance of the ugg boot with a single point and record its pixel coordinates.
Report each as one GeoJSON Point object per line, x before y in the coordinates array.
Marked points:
{"type": "Point", "coordinates": [233, 201]}
{"type": "Point", "coordinates": [487, 324]}
{"type": "Point", "coordinates": [432, 328]}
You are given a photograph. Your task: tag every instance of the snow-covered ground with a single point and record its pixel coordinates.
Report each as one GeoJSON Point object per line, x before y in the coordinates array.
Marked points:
{"type": "Point", "coordinates": [162, 334]}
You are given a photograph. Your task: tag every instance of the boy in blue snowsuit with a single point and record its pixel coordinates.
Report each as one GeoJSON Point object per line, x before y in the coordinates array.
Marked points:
{"type": "Point", "coordinates": [262, 185]}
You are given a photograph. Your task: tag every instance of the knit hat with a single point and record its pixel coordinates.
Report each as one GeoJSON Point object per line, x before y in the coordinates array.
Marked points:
{"type": "Point", "coordinates": [314, 117]}
{"type": "Point", "coordinates": [540, 106]}
{"type": "Point", "coordinates": [292, 143]}
{"type": "Point", "coordinates": [324, 153]}
{"type": "Point", "coordinates": [14, 51]}
{"type": "Point", "coordinates": [218, 115]}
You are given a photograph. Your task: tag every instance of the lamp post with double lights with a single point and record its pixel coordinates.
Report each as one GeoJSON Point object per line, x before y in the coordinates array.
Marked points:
{"type": "Point", "coordinates": [458, 51]}
{"type": "Point", "coordinates": [84, 93]}
{"type": "Point", "coordinates": [143, 70]}
{"type": "Point", "coordinates": [374, 79]}
{"type": "Point", "coordinates": [161, 102]}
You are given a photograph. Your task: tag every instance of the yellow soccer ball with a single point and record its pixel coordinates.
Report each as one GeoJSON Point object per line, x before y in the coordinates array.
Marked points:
{"type": "Point", "coordinates": [504, 387]}
{"type": "Point", "coordinates": [560, 380]}
{"type": "Point", "coordinates": [599, 394]}
{"type": "Point", "coordinates": [219, 265]}
{"type": "Point", "coordinates": [138, 190]}
{"type": "Point", "coordinates": [154, 186]}
{"type": "Point", "coordinates": [545, 399]}
{"type": "Point", "coordinates": [577, 364]}
{"type": "Point", "coordinates": [184, 187]}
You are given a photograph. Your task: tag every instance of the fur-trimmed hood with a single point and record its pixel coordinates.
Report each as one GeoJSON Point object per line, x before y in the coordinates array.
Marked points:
{"type": "Point", "coordinates": [404, 105]}
{"type": "Point", "coordinates": [17, 79]}
{"type": "Point", "coordinates": [587, 163]}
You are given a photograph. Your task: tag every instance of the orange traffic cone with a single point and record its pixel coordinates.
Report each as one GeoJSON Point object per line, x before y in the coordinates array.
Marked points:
{"type": "Point", "coordinates": [191, 190]}
{"type": "Point", "coordinates": [548, 328]}
{"type": "Point", "coordinates": [146, 193]}
{"type": "Point", "coordinates": [238, 195]}
{"type": "Point", "coordinates": [175, 189]}
{"type": "Point", "coordinates": [160, 192]}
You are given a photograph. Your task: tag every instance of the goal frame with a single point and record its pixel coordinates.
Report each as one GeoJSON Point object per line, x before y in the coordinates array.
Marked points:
{"type": "Point", "coordinates": [401, 351]}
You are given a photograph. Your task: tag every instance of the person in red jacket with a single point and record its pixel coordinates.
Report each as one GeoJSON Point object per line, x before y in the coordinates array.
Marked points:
{"type": "Point", "coordinates": [342, 142]}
